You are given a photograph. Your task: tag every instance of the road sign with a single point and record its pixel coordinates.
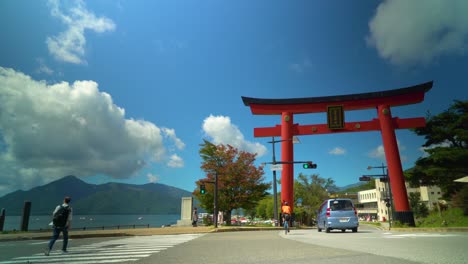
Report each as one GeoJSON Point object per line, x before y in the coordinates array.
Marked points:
{"type": "Point", "coordinates": [299, 202]}
{"type": "Point", "coordinates": [276, 167]}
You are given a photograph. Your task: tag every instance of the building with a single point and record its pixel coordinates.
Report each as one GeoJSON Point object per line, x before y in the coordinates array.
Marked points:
{"type": "Point", "coordinates": [375, 204]}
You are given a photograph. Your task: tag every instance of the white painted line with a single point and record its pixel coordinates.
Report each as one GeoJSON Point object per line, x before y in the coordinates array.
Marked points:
{"type": "Point", "coordinates": [110, 254]}
{"type": "Point", "coordinates": [67, 259]}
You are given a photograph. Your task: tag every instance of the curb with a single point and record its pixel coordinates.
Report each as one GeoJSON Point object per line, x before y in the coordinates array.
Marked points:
{"type": "Point", "coordinates": [422, 229]}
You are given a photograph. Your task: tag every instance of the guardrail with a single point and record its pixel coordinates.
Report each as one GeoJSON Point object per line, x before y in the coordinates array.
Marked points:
{"type": "Point", "coordinates": [112, 227]}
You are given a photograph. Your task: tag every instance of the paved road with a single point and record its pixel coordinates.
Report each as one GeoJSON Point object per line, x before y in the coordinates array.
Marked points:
{"type": "Point", "coordinates": [424, 247]}
{"type": "Point", "coordinates": [258, 247]}
{"type": "Point", "coordinates": [261, 247]}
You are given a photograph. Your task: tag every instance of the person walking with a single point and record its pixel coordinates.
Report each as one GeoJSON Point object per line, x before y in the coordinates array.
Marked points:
{"type": "Point", "coordinates": [61, 220]}
{"type": "Point", "coordinates": [194, 217]}
{"type": "Point", "coordinates": [286, 213]}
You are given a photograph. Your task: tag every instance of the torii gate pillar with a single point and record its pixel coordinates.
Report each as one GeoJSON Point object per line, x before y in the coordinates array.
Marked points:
{"type": "Point", "coordinates": [392, 155]}
{"type": "Point", "coordinates": [287, 154]}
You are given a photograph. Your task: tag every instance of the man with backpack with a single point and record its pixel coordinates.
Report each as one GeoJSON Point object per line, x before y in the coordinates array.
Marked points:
{"type": "Point", "coordinates": [61, 220]}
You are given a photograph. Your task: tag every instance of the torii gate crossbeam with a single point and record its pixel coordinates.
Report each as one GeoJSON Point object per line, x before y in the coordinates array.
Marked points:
{"type": "Point", "coordinates": [382, 101]}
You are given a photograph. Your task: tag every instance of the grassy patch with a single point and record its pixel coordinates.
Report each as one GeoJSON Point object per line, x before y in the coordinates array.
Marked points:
{"type": "Point", "coordinates": [450, 218]}
{"type": "Point", "coordinates": [371, 223]}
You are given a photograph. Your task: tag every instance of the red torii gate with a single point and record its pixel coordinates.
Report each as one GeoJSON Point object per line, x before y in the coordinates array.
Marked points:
{"type": "Point", "coordinates": [387, 124]}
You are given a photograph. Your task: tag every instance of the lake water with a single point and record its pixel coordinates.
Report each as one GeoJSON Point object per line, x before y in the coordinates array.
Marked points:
{"type": "Point", "coordinates": [40, 222]}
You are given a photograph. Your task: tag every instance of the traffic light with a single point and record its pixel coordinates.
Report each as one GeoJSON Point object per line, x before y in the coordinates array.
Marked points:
{"type": "Point", "coordinates": [387, 202]}
{"type": "Point", "coordinates": [365, 178]}
{"type": "Point", "coordinates": [383, 179]}
{"type": "Point", "coordinates": [202, 189]}
{"type": "Point", "coordinates": [309, 165]}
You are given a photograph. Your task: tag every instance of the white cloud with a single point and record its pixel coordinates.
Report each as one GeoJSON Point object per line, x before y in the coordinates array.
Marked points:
{"type": "Point", "coordinates": [152, 178]}
{"type": "Point", "coordinates": [337, 151]}
{"type": "Point", "coordinates": [302, 66]}
{"type": "Point", "coordinates": [50, 131]}
{"type": "Point", "coordinates": [175, 161]}
{"type": "Point", "coordinates": [222, 131]}
{"type": "Point", "coordinates": [69, 45]}
{"type": "Point", "coordinates": [170, 133]}
{"type": "Point", "coordinates": [43, 68]}
{"type": "Point", "coordinates": [445, 144]}
{"type": "Point", "coordinates": [379, 152]}
{"type": "Point", "coordinates": [413, 32]}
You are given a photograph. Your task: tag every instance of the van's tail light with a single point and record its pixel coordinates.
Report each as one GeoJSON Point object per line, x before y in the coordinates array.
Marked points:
{"type": "Point", "coordinates": [355, 211]}
{"type": "Point", "coordinates": [328, 212]}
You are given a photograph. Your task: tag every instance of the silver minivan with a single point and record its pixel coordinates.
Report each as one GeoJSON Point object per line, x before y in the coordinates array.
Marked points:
{"type": "Point", "coordinates": [337, 213]}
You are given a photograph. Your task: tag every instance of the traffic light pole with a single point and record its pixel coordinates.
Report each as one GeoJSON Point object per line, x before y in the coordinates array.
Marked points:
{"type": "Point", "coordinates": [388, 189]}
{"type": "Point", "coordinates": [274, 162]}
{"type": "Point", "coordinates": [215, 211]}
{"type": "Point", "coordinates": [275, 194]}
{"type": "Point", "coordinates": [215, 198]}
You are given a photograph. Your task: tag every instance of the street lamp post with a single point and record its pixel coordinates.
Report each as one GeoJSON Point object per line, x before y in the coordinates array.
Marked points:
{"type": "Point", "coordinates": [275, 196]}
{"type": "Point", "coordinates": [389, 202]}
{"type": "Point", "coordinates": [215, 211]}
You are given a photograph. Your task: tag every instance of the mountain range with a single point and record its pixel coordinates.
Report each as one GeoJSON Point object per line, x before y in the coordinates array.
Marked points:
{"type": "Point", "coordinates": [108, 198]}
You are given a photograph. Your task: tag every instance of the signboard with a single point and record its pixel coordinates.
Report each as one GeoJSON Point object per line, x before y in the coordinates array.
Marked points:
{"type": "Point", "coordinates": [335, 117]}
{"type": "Point", "coordinates": [299, 202]}
{"type": "Point", "coordinates": [276, 167]}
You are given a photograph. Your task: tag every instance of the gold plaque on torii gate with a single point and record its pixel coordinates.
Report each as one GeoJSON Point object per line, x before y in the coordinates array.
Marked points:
{"type": "Point", "coordinates": [335, 117]}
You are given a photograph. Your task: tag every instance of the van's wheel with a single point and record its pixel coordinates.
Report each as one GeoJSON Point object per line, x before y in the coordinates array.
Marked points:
{"type": "Point", "coordinates": [355, 230]}
{"type": "Point", "coordinates": [328, 230]}
{"type": "Point", "coordinates": [319, 229]}
{"type": "Point", "coordinates": [343, 230]}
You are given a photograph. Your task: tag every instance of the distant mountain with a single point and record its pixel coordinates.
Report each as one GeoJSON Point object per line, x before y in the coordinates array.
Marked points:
{"type": "Point", "coordinates": [109, 198]}
{"type": "Point", "coordinates": [350, 186]}
{"type": "Point", "coordinates": [356, 187]}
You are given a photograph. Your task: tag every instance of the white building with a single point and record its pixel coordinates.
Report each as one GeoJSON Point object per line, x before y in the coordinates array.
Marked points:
{"type": "Point", "coordinates": [372, 204]}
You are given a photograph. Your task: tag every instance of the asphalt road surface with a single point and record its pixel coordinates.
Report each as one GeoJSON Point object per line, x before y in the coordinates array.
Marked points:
{"type": "Point", "coordinates": [260, 247]}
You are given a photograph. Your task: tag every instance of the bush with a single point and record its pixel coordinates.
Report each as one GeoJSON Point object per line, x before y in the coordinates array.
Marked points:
{"type": "Point", "coordinates": [453, 217]}
{"type": "Point", "coordinates": [208, 221]}
{"type": "Point", "coordinates": [460, 200]}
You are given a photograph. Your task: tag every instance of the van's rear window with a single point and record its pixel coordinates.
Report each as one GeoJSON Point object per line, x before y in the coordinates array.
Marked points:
{"type": "Point", "coordinates": [341, 205]}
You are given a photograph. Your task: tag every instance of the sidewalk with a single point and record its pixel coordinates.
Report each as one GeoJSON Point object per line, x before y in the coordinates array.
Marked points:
{"type": "Point", "coordinates": [172, 230]}
{"type": "Point", "coordinates": [10, 236]}
{"type": "Point", "coordinates": [386, 226]}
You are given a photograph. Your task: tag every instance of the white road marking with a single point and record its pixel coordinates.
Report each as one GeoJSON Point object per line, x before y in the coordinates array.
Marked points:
{"type": "Point", "coordinates": [426, 235]}
{"type": "Point", "coordinates": [114, 251]}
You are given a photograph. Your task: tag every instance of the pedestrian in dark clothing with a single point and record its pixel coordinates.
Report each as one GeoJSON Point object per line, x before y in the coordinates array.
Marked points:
{"type": "Point", "coordinates": [194, 217]}
{"type": "Point", "coordinates": [62, 217]}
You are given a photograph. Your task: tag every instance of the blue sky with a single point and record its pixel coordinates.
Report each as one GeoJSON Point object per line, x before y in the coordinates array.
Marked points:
{"type": "Point", "coordinates": [127, 90]}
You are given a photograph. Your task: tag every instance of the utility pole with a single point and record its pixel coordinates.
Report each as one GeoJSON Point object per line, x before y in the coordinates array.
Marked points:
{"type": "Point", "coordinates": [295, 140]}
{"type": "Point", "coordinates": [275, 195]}
{"type": "Point", "coordinates": [388, 188]}
{"type": "Point", "coordinates": [215, 211]}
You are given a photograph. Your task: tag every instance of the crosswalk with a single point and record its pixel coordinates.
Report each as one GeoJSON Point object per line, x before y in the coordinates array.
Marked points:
{"type": "Point", "coordinates": [113, 251]}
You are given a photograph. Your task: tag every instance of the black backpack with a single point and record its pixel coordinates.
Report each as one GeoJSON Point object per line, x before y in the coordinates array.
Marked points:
{"type": "Point", "coordinates": [61, 216]}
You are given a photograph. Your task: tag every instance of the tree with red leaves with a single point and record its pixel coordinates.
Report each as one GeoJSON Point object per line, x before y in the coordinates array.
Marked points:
{"type": "Point", "coordinates": [240, 183]}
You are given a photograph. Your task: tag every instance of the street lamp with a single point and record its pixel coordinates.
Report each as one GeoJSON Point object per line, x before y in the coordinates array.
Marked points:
{"type": "Point", "coordinates": [295, 140]}
{"type": "Point", "coordinates": [389, 198]}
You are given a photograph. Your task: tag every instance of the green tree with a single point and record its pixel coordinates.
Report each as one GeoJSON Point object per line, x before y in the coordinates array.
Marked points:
{"type": "Point", "coordinates": [446, 137]}
{"type": "Point", "coordinates": [240, 183]}
{"type": "Point", "coordinates": [264, 208]}
{"type": "Point", "coordinates": [420, 210]}
{"type": "Point", "coordinates": [460, 199]}
{"type": "Point", "coordinates": [313, 190]}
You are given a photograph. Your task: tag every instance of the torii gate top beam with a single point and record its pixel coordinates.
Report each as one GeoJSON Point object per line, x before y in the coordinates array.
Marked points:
{"type": "Point", "coordinates": [397, 97]}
